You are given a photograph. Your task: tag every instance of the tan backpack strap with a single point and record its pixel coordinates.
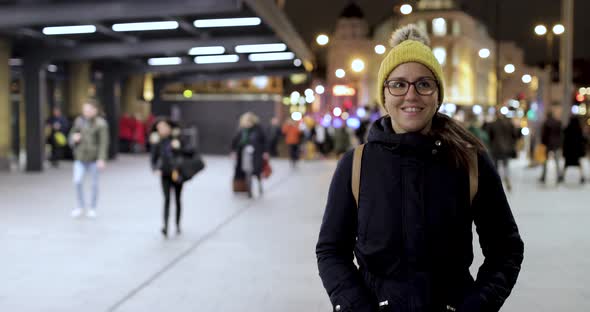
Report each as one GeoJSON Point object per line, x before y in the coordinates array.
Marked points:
{"type": "Point", "coordinates": [473, 176]}
{"type": "Point", "coordinates": [356, 172]}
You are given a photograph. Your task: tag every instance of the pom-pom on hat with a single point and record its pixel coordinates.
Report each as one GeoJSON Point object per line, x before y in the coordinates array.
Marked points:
{"type": "Point", "coordinates": [410, 44]}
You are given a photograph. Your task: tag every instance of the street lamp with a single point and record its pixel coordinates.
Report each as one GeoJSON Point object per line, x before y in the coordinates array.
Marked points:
{"type": "Point", "coordinates": [509, 68]}
{"type": "Point", "coordinates": [380, 49]}
{"type": "Point", "coordinates": [541, 30]}
{"type": "Point", "coordinates": [322, 39]}
{"type": "Point", "coordinates": [358, 65]}
{"type": "Point", "coordinates": [527, 78]}
{"type": "Point", "coordinates": [558, 29]}
{"type": "Point", "coordinates": [406, 9]}
{"type": "Point", "coordinates": [484, 53]}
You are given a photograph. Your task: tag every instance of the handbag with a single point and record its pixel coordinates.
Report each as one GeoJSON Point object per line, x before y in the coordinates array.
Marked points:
{"type": "Point", "coordinates": [540, 153]}
{"type": "Point", "coordinates": [266, 169]}
{"type": "Point", "coordinates": [240, 185]}
{"type": "Point", "coordinates": [60, 139]}
{"type": "Point", "coordinates": [190, 166]}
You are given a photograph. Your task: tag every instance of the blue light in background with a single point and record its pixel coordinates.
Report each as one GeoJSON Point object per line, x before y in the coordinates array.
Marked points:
{"type": "Point", "coordinates": [353, 123]}
{"type": "Point", "coordinates": [337, 123]}
{"type": "Point", "coordinates": [326, 121]}
{"type": "Point", "coordinates": [361, 112]}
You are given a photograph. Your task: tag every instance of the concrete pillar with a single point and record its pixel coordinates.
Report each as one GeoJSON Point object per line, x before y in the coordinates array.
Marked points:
{"type": "Point", "coordinates": [35, 103]}
{"type": "Point", "coordinates": [132, 95]}
{"type": "Point", "coordinates": [22, 117]}
{"type": "Point", "coordinates": [148, 85]}
{"type": "Point", "coordinates": [77, 88]}
{"type": "Point", "coordinates": [566, 59]}
{"type": "Point", "coordinates": [5, 106]}
{"type": "Point", "coordinates": [157, 106]}
{"type": "Point", "coordinates": [110, 98]}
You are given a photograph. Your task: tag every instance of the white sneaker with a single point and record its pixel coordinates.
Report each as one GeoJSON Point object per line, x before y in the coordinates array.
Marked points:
{"type": "Point", "coordinates": [91, 213]}
{"type": "Point", "coordinates": [76, 213]}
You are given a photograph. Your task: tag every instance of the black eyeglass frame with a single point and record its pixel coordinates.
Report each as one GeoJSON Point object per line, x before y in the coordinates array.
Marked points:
{"type": "Point", "coordinates": [412, 83]}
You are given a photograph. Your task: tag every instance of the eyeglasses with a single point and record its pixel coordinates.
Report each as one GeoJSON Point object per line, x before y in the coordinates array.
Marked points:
{"type": "Point", "coordinates": [424, 86]}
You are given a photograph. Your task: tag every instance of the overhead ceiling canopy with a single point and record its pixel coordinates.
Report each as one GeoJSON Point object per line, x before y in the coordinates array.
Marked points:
{"type": "Point", "coordinates": [144, 33]}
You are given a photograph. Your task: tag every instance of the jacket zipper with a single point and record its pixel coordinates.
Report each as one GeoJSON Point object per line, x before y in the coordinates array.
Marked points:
{"type": "Point", "coordinates": [404, 231]}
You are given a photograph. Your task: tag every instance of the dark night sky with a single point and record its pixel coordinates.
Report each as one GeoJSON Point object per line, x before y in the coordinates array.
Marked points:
{"type": "Point", "coordinates": [518, 18]}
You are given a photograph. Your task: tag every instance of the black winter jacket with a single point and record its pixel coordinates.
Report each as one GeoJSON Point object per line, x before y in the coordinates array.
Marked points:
{"type": "Point", "coordinates": [166, 157]}
{"type": "Point", "coordinates": [551, 134]}
{"type": "Point", "coordinates": [412, 232]}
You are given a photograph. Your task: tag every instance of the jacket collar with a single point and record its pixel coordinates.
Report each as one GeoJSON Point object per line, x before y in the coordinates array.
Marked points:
{"type": "Point", "coordinates": [382, 132]}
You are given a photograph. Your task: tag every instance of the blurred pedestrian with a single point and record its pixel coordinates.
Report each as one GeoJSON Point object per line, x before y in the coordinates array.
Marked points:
{"type": "Point", "coordinates": [126, 129]}
{"type": "Point", "coordinates": [167, 151]}
{"type": "Point", "coordinates": [474, 128]}
{"type": "Point", "coordinates": [292, 135]}
{"type": "Point", "coordinates": [362, 130]}
{"type": "Point", "coordinates": [250, 149]}
{"type": "Point", "coordinates": [89, 139]}
{"type": "Point", "coordinates": [341, 140]}
{"type": "Point", "coordinates": [57, 128]}
{"type": "Point", "coordinates": [274, 135]}
{"type": "Point", "coordinates": [574, 147]}
{"type": "Point", "coordinates": [139, 135]}
{"type": "Point", "coordinates": [551, 138]}
{"type": "Point", "coordinates": [404, 205]}
{"type": "Point", "coordinates": [321, 138]}
{"type": "Point", "coordinates": [502, 135]}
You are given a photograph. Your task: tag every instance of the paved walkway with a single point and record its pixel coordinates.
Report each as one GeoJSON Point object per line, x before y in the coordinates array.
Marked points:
{"type": "Point", "coordinates": [236, 254]}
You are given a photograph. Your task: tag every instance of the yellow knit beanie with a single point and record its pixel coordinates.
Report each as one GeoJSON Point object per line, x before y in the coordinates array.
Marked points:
{"type": "Point", "coordinates": [410, 44]}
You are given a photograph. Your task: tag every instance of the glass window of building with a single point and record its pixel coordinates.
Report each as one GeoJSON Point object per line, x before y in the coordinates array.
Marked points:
{"type": "Point", "coordinates": [422, 25]}
{"type": "Point", "coordinates": [441, 54]}
{"type": "Point", "coordinates": [456, 28]}
{"type": "Point", "coordinates": [455, 57]}
{"type": "Point", "coordinates": [439, 27]}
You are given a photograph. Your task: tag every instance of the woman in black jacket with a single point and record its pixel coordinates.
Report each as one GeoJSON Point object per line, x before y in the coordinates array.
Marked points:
{"type": "Point", "coordinates": [412, 230]}
{"type": "Point", "coordinates": [167, 151]}
{"type": "Point", "coordinates": [574, 147]}
{"type": "Point", "coordinates": [249, 148]}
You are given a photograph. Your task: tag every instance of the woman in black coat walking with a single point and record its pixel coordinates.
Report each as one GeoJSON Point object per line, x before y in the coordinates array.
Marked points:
{"type": "Point", "coordinates": [250, 149]}
{"type": "Point", "coordinates": [574, 147]}
{"type": "Point", "coordinates": [167, 152]}
{"type": "Point", "coordinates": [422, 181]}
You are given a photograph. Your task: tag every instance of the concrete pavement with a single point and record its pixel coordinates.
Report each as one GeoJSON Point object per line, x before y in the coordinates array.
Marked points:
{"type": "Point", "coordinates": [236, 253]}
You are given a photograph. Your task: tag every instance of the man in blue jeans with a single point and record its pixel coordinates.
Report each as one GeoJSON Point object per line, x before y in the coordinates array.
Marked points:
{"type": "Point", "coordinates": [89, 140]}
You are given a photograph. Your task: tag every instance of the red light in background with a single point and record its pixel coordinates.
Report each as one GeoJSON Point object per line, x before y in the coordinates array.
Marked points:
{"type": "Point", "coordinates": [579, 97]}
{"type": "Point", "coordinates": [347, 104]}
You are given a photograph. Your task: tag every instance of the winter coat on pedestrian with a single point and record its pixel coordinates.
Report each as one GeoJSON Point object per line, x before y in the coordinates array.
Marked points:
{"type": "Point", "coordinates": [292, 133]}
{"type": "Point", "coordinates": [574, 143]}
{"type": "Point", "coordinates": [167, 154]}
{"type": "Point", "coordinates": [341, 140]}
{"type": "Point", "coordinates": [412, 232]}
{"type": "Point", "coordinates": [551, 133]}
{"type": "Point", "coordinates": [94, 141]}
{"type": "Point", "coordinates": [502, 136]}
{"type": "Point", "coordinates": [255, 137]}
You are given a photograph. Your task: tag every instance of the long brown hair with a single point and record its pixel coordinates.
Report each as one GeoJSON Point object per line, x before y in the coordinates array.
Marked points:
{"type": "Point", "coordinates": [462, 142]}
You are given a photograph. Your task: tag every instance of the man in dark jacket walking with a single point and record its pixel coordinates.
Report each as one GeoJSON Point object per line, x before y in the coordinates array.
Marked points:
{"type": "Point", "coordinates": [57, 129]}
{"type": "Point", "coordinates": [551, 138]}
